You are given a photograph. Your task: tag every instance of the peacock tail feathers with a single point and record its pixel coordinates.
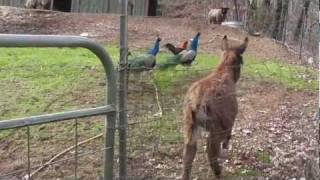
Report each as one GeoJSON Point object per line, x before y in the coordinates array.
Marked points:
{"type": "Point", "coordinates": [178, 49]}
{"type": "Point", "coordinates": [171, 61]}
{"type": "Point", "coordinates": [146, 61]}
{"type": "Point", "coordinates": [142, 62]}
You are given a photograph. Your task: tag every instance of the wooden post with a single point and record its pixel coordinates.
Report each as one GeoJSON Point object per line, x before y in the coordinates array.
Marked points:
{"type": "Point", "coordinates": [123, 90]}
{"type": "Point", "coordinates": [51, 5]}
{"type": "Point", "coordinates": [302, 35]}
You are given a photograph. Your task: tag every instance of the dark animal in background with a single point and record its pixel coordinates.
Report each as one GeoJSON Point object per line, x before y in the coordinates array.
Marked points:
{"type": "Point", "coordinates": [145, 61]}
{"type": "Point", "coordinates": [177, 50]}
{"type": "Point", "coordinates": [217, 16]}
{"type": "Point", "coordinates": [211, 103]}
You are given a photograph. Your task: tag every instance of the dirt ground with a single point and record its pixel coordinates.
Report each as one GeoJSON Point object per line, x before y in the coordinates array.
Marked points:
{"type": "Point", "coordinates": [272, 138]}
{"type": "Point", "coordinates": [142, 31]}
{"type": "Point", "coordinates": [271, 119]}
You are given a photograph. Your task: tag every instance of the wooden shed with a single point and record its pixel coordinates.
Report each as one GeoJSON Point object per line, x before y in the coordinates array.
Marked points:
{"type": "Point", "coordinates": [136, 7]}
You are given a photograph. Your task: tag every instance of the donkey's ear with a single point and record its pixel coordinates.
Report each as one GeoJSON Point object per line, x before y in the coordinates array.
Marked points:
{"type": "Point", "coordinates": [242, 48]}
{"type": "Point", "coordinates": [224, 45]}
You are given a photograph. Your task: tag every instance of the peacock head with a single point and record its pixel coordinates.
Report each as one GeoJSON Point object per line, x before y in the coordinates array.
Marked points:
{"type": "Point", "coordinates": [195, 41]}
{"type": "Point", "coordinates": [154, 51]}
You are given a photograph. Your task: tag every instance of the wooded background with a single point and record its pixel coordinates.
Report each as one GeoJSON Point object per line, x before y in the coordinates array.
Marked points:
{"type": "Point", "coordinates": [294, 23]}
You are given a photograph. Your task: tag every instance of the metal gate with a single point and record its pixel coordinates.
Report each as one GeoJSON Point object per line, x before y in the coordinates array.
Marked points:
{"type": "Point", "coordinates": [109, 109]}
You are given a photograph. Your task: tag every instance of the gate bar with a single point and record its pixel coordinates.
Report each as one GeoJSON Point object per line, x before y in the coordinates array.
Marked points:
{"type": "Point", "coordinates": [56, 117]}
{"type": "Point", "coordinates": [14, 40]}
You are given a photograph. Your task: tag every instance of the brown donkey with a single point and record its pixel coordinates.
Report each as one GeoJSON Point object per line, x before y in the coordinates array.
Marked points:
{"type": "Point", "coordinates": [211, 104]}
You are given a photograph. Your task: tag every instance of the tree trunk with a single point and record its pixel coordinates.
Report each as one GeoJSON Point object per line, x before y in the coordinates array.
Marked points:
{"type": "Point", "coordinates": [283, 19]}
{"type": "Point", "coordinates": [304, 11]}
{"type": "Point", "coordinates": [266, 16]}
{"type": "Point", "coordinates": [236, 8]}
{"type": "Point", "coordinates": [251, 8]}
{"type": "Point", "coordinates": [276, 20]}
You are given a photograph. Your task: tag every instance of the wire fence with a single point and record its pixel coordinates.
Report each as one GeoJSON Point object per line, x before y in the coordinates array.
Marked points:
{"type": "Point", "coordinates": [271, 128]}
{"type": "Point", "coordinates": [39, 157]}
{"type": "Point", "coordinates": [265, 142]}
{"type": "Point", "coordinates": [274, 136]}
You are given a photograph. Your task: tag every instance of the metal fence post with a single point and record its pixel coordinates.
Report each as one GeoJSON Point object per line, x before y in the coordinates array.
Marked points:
{"type": "Point", "coordinates": [123, 122]}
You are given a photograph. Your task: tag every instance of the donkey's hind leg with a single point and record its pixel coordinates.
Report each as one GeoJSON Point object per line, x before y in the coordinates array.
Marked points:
{"type": "Point", "coordinates": [213, 150]}
{"type": "Point", "coordinates": [225, 143]}
{"type": "Point", "coordinates": [190, 149]}
{"type": "Point", "coordinates": [188, 157]}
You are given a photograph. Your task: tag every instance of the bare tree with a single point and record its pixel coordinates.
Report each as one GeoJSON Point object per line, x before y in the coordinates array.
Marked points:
{"type": "Point", "coordinates": [276, 20]}
{"type": "Point", "coordinates": [236, 8]}
{"type": "Point", "coordinates": [304, 12]}
{"type": "Point", "coordinates": [266, 17]}
{"type": "Point", "coordinates": [251, 22]}
{"type": "Point", "coordinates": [283, 21]}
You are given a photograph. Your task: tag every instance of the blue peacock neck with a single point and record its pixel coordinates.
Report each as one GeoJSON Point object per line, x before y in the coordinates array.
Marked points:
{"type": "Point", "coordinates": [194, 43]}
{"type": "Point", "coordinates": [154, 51]}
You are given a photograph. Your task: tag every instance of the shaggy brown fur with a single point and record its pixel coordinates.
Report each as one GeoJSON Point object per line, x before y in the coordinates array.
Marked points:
{"type": "Point", "coordinates": [211, 104]}
{"type": "Point", "coordinates": [217, 16]}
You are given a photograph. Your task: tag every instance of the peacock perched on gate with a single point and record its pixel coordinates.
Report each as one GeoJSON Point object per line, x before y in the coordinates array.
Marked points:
{"type": "Point", "coordinates": [185, 57]}
{"type": "Point", "coordinates": [145, 61]}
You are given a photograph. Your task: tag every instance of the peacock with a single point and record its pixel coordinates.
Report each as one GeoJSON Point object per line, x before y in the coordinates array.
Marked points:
{"type": "Point", "coordinates": [176, 50]}
{"type": "Point", "coordinates": [185, 57]}
{"type": "Point", "coordinates": [189, 55]}
{"type": "Point", "coordinates": [145, 61]}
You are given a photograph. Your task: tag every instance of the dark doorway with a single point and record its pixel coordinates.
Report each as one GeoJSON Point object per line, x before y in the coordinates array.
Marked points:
{"type": "Point", "coordinates": [153, 5]}
{"type": "Point", "coordinates": [62, 5]}
{"type": "Point", "coordinates": [130, 7]}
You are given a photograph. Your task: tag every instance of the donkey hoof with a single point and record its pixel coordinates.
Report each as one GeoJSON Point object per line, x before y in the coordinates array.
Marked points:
{"type": "Point", "coordinates": [217, 171]}
{"type": "Point", "coordinates": [225, 145]}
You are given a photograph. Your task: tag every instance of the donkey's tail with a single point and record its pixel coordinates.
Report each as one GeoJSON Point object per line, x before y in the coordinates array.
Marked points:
{"type": "Point", "coordinates": [189, 131]}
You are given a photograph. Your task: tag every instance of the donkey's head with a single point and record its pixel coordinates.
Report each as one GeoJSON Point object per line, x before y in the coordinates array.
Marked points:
{"type": "Point", "coordinates": [224, 10]}
{"type": "Point", "coordinates": [232, 56]}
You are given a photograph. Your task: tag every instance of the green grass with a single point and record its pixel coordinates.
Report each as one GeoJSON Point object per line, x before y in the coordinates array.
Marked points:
{"type": "Point", "coordinates": [203, 64]}
{"type": "Point", "coordinates": [167, 125]}
{"type": "Point", "coordinates": [291, 76]}
{"type": "Point", "coordinates": [242, 172]}
{"type": "Point", "coordinates": [263, 157]}
{"type": "Point", "coordinates": [38, 81]}
{"type": "Point", "coordinates": [32, 78]}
